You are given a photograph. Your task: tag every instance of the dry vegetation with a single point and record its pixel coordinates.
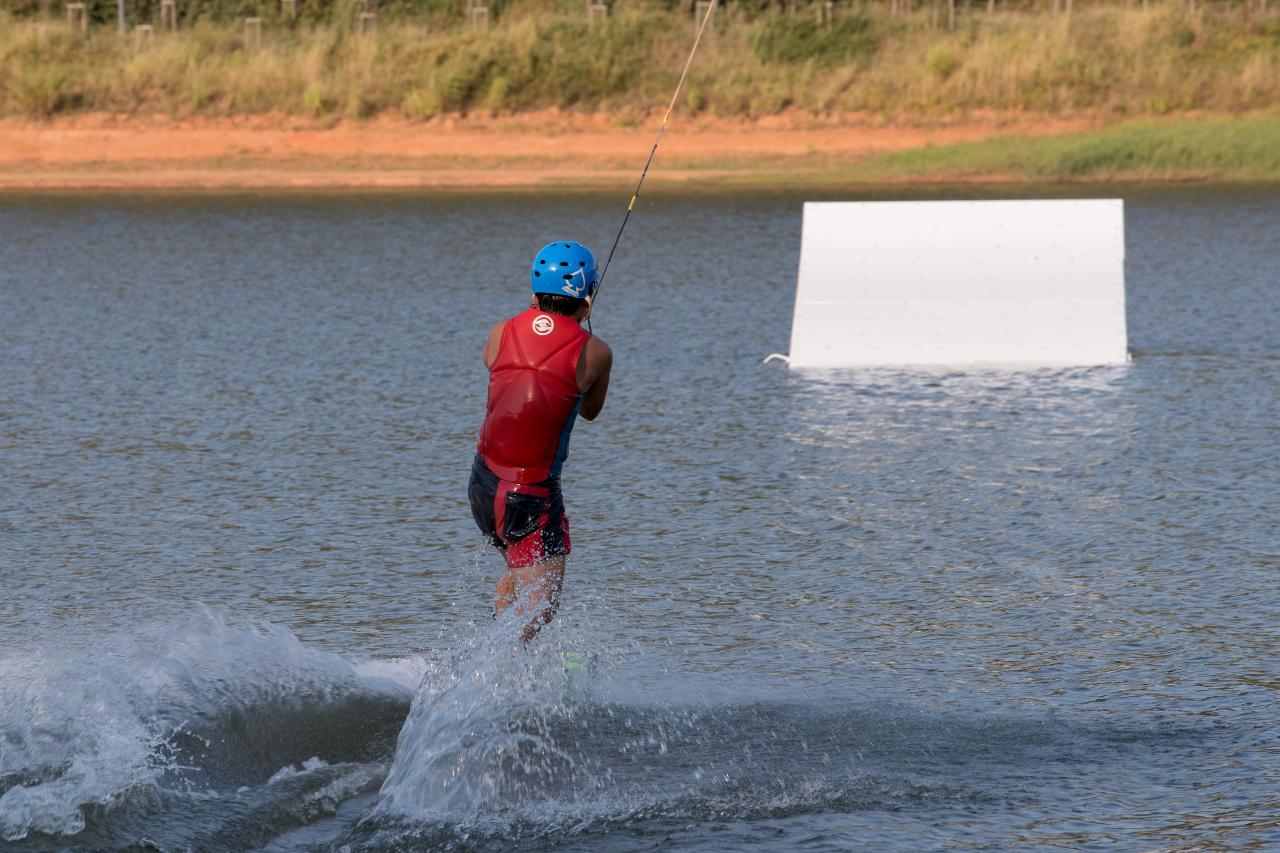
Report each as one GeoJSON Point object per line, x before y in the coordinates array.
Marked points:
{"type": "Point", "coordinates": [1113, 61]}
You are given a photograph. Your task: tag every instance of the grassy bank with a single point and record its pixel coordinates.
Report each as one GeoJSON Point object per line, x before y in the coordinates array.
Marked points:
{"type": "Point", "coordinates": [1114, 61]}
{"type": "Point", "coordinates": [1245, 149]}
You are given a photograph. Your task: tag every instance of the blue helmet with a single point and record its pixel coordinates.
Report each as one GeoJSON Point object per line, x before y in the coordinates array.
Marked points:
{"type": "Point", "coordinates": [564, 268]}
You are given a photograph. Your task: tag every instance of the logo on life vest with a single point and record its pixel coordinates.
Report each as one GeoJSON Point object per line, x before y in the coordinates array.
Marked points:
{"type": "Point", "coordinates": [542, 324]}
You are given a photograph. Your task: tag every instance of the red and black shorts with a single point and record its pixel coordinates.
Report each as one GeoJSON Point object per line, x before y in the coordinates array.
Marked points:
{"type": "Point", "coordinates": [525, 521]}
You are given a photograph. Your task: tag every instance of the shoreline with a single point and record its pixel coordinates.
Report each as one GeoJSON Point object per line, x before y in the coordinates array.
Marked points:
{"type": "Point", "coordinates": [98, 152]}
{"type": "Point", "coordinates": [473, 183]}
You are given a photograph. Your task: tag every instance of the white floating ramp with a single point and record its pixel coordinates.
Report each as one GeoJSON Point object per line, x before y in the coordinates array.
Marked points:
{"type": "Point", "coordinates": [999, 283]}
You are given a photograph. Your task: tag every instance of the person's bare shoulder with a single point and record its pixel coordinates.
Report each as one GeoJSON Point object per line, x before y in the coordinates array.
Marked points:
{"type": "Point", "coordinates": [494, 341]}
{"type": "Point", "coordinates": [598, 360]}
{"type": "Point", "coordinates": [599, 350]}
{"type": "Point", "coordinates": [593, 376]}
{"type": "Point", "coordinates": [594, 365]}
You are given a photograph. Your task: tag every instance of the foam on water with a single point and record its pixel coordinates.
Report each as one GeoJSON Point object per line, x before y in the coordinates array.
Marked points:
{"type": "Point", "coordinates": [244, 731]}
{"type": "Point", "coordinates": [218, 734]}
{"type": "Point", "coordinates": [92, 725]}
{"type": "Point", "coordinates": [479, 737]}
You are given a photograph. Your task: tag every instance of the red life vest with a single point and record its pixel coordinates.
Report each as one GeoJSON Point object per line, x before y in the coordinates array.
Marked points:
{"type": "Point", "coordinates": [533, 397]}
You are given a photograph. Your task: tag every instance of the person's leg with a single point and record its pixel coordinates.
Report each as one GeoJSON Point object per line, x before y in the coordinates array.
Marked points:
{"type": "Point", "coordinates": [505, 593]}
{"type": "Point", "coordinates": [537, 589]}
{"type": "Point", "coordinates": [540, 582]}
{"type": "Point", "coordinates": [536, 534]}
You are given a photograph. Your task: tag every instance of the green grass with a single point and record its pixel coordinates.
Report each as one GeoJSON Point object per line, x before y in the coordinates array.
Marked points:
{"type": "Point", "coordinates": [1232, 149]}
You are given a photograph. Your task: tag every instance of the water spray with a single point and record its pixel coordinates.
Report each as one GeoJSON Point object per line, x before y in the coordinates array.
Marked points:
{"type": "Point", "coordinates": [706, 18]}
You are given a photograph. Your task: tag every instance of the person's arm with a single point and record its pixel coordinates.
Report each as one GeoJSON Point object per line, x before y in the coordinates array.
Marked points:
{"type": "Point", "coordinates": [593, 376]}
{"type": "Point", "coordinates": [491, 345]}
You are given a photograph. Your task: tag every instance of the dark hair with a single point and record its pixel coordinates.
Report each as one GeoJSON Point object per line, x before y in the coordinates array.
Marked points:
{"type": "Point", "coordinates": [553, 303]}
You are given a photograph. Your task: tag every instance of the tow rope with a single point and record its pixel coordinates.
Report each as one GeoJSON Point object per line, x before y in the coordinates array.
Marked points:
{"type": "Point", "coordinates": [661, 128]}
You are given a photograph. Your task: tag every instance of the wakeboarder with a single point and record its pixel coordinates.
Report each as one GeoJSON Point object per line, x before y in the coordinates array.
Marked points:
{"type": "Point", "coordinates": [545, 370]}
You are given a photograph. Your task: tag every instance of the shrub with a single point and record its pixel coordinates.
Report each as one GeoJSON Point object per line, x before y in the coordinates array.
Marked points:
{"type": "Point", "coordinates": [790, 39]}
{"type": "Point", "coordinates": [942, 62]}
{"type": "Point", "coordinates": [422, 104]}
{"type": "Point", "coordinates": [40, 91]}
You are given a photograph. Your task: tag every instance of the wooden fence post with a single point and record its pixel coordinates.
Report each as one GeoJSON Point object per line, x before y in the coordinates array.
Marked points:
{"type": "Point", "coordinates": [699, 11]}
{"type": "Point", "coordinates": [478, 15]}
{"type": "Point", "coordinates": [596, 10]}
{"type": "Point", "coordinates": [78, 13]}
{"type": "Point", "coordinates": [168, 15]}
{"type": "Point", "coordinates": [252, 32]}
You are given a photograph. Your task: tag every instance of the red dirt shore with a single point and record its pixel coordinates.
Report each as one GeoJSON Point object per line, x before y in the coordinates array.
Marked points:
{"type": "Point", "coordinates": [100, 151]}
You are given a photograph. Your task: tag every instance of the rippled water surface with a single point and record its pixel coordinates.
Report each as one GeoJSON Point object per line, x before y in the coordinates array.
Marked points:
{"type": "Point", "coordinates": [247, 609]}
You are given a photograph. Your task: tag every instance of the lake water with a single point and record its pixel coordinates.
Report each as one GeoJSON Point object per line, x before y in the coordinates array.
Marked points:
{"type": "Point", "coordinates": [246, 607]}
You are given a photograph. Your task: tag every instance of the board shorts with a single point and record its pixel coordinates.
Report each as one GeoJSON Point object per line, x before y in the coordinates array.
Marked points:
{"type": "Point", "coordinates": [525, 521]}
